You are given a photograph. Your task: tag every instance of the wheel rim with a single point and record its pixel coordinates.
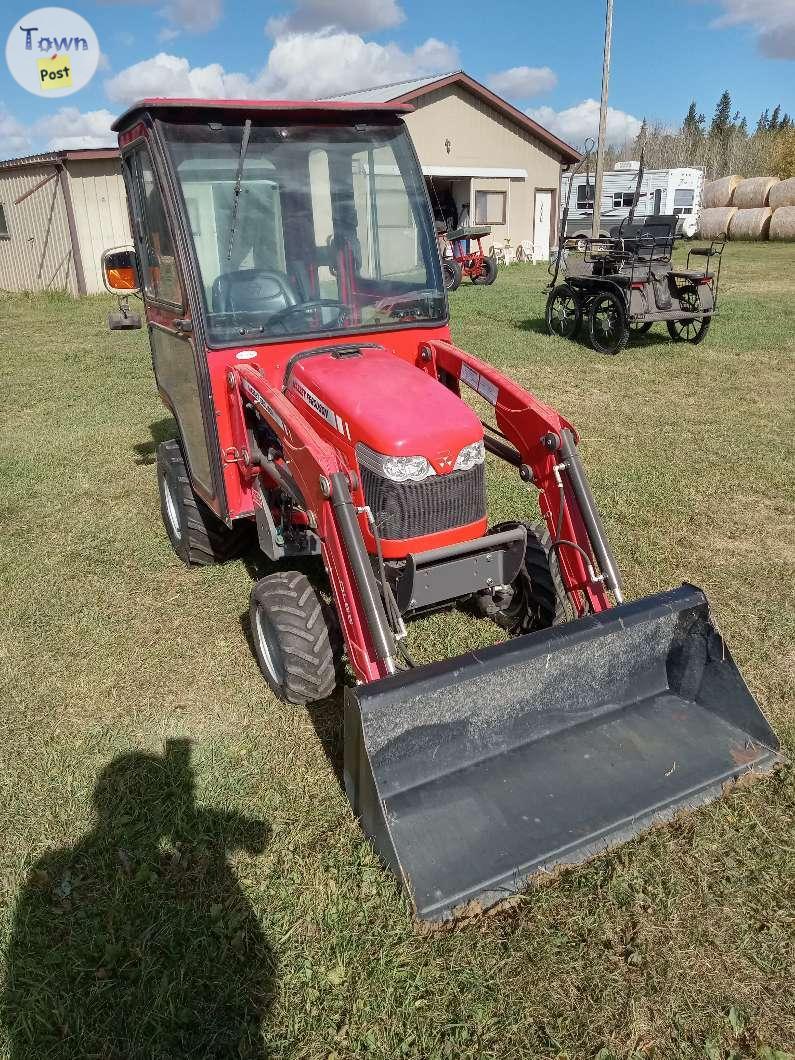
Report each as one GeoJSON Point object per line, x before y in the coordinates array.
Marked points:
{"type": "Point", "coordinates": [563, 315]}
{"type": "Point", "coordinates": [606, 322]}
{"type": "Point", "coordinates": [172, 511]}
{"type": "Point", "coordinates": [270, 656]}
{"type": "Point", "coordinates": [689, 329]}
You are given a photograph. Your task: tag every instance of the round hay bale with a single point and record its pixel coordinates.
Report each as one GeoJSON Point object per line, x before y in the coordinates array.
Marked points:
{"type": "Point", "coordinates": [752, 193]}
{"type": "Point", "coordinates": [782, 223]}
{"type": "Point", "coordinates": [751, 224]}
{"type": "Point", "coordinates": [782, 194]}
{"type": "Point", "coordinates": [714, 223]}
{"type": "Point", "coordinates": [719, 192]}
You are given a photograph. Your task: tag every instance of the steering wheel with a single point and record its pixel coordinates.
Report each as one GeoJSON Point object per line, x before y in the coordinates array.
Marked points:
{"type": "Point", "coordinates": [304, 308]}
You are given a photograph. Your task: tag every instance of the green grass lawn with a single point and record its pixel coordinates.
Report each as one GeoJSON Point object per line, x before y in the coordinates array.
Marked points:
{"type": "Point", "coordinates": [180, 873]}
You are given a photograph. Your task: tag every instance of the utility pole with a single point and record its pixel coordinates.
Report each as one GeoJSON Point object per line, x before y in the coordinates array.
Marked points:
{"type": "Point", "coordinates": [600, 147]}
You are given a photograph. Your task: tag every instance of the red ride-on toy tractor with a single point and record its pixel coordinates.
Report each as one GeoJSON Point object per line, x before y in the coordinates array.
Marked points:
{"type": "Point", "coordinates": [459, 259]}
{"type": "Point", "coordinates": [300, 338]}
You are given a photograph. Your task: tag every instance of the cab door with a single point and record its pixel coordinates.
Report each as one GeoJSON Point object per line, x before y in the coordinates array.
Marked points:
{"type": "Point", "coordinates": [181, 377]}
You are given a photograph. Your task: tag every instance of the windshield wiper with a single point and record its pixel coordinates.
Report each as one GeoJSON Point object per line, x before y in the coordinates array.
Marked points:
{"type": "Point", "coordinates": [236, 193]}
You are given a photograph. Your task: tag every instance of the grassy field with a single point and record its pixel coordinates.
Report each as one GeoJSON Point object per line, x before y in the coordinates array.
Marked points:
{"type": "Point", "coordinates": [180, 874]}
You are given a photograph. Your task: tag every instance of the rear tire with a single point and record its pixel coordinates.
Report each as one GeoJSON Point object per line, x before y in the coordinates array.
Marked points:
{"type": "Point", "coordinates": [608, 329]}
{"type": "Point", "coordinates": [693, 331]}
{"type": "Point", "coordinates": [296, 635]}
{"type": "Point", "coordinates": [537, 598]}
{"type": "Point", "coordinates": [488, 273]}
{"type": "Point", "coordinates": [197, 536]}
{"type": "Point", "coordinates": [451, 274]}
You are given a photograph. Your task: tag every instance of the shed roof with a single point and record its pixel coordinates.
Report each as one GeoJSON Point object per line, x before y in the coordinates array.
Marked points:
{"type": "Point", "coordinates": [409, 91]}
{"type": "Point", "coordinates": [51, 157]}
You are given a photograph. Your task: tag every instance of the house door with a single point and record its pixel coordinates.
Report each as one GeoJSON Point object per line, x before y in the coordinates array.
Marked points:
{"type": "Point", "coordinates": [541, 226]}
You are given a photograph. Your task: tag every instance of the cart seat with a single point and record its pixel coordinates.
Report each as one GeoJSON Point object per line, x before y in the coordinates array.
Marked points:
{"type": "Point", "coordinates": [690, 274]}
{"type": "Point", "coordinates": [469, 232]}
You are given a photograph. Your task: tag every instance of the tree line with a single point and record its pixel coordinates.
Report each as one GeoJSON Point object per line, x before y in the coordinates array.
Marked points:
{"type": "Point", "coordinates": [725, 145]}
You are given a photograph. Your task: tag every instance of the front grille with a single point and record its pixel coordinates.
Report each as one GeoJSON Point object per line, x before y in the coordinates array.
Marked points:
{"type": "Point", "coordinates": [413, 509]}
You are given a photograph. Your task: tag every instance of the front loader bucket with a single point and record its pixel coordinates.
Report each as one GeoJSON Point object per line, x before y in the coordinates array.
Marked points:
{"type": "Point", "coordinates": [472, 774]}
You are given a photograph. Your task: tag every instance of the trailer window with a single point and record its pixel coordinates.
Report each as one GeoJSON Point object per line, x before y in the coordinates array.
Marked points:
{"type": "Point", "coordinates": [490, 207]}
{"type": "Point", "coordinates": [623, 199]}
{"type": "Point", "coordinates": [585, 197]}
{"type": "Point", "coordinates": [683, 200]}
{"type": "Point", "coordinates": [4, 233]}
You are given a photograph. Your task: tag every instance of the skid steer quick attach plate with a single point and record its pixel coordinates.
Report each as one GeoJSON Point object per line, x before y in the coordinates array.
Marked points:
{"type": "Point", "coordinates": [472, 774]}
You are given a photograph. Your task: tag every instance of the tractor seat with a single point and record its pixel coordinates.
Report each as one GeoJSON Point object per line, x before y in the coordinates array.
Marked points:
{"type": "Point", "coordinates": [468, 233]}
{"type": "Point", "coordinates": [252, 291]}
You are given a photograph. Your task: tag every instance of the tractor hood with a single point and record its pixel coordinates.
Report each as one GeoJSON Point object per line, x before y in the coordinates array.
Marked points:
{"type": "Point", "coordinates": [375, 397]}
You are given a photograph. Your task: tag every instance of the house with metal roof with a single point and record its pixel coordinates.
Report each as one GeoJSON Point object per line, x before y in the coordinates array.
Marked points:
{"type": "Point", "coordinates": [58, 212]}
{"type": "Point", "coordinates": [485, 161]}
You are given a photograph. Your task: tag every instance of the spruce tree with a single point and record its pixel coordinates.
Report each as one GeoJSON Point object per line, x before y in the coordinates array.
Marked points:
{"type": "Point", "coordinates": [764, 121]}
{"type": "Point", "coordinates": [774, 125]}
{"type": "Point", "coordinates": [723, 113]}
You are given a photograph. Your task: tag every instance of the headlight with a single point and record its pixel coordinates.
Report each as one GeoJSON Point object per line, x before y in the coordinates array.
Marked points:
{"type": "Point", "coordinates": [396, 468]}
{"type": "Point", "coordinates": [469, 456]}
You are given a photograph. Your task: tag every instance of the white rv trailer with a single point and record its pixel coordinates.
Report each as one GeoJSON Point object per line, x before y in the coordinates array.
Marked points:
{"type": "Point", "coordinates": [662, 191]}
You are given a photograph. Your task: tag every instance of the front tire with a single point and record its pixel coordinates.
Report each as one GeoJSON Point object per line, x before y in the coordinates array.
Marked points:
{"type": "Point", "coordinates": [488, 272]}
{"type": "Point", "coordinates": [197, 536]}
{"type": "Point", "coordinates": [563, 312]}
{"type": "Point", "coordinates": [296, 636]}
{"type": "Point", "coordinates": [608, 329]}
{"type": "Point", "coordinates": [537, 598]}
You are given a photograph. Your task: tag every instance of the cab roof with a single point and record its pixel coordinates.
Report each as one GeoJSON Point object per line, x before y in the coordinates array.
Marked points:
{"type": "Point", "coordinates": [163, 107]}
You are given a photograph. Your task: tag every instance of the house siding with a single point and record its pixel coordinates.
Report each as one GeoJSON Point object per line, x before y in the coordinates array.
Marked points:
{"type": "Point", "coordinates": [38, 255]}
{"type": "Point", "coordinates": [479, 136]}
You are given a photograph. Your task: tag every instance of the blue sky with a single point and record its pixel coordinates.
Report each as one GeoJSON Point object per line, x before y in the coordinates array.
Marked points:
{"type": "Point", "coordinates": [544, 57]}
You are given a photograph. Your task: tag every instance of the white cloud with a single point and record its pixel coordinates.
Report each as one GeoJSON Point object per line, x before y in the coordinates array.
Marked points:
{"type": "Point", "coordinates": [14, 138]}
{"type": "Point", "coordinates": [299, 66]}
{"type": "Point", "coordinates": [358, 16]}
{"type": "Point", "coordinates": [522, 82]}
{"type": "Point", "coordinates": [772, 20]}
{"type": "Point", "coordinates": [166, 34]}
{"type": "Point", "coordinates": [575, 124]}
{"type": "Point", "coordinates": [195, 16]}
{"type": "Point", "coordinates": [69, 129]}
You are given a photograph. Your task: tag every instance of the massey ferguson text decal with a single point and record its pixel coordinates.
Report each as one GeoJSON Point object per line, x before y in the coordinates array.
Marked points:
{"type": "Point", "coordinates": [259, 402]}
{"type": "Point", "coordinates": [321, 408]}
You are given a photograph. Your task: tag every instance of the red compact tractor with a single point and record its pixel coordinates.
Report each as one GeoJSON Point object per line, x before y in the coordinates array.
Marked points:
{"type": "Point", "coordinates": [287, 261]}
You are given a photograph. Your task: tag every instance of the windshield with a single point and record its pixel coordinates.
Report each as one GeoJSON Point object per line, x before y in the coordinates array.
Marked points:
{"type": "Point", "coordinates": [303, 229]}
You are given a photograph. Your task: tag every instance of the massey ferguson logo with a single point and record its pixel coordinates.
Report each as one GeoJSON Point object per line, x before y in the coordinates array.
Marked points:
{"type": "Point", "coordinates": [444, 461]}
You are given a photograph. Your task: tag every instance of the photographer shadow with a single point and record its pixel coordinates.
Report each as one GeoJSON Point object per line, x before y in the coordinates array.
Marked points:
{"type": "Point", "coordinates": [139, 941]}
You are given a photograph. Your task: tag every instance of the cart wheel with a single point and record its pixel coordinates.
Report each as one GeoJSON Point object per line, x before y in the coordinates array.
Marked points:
{"type": "Point", "coordinates": [693, 331]}
{"type": "Point", "coordinates": [488, 272]}
{"type": "Point", "coordinates": [608, 329]}
{"type": "Point", "coordinates": [640, 328]}
{"type": "Point", "coordinates": [564, 312]}
{"type": "Point", "coordinates": [296, 635]}
{"type": "Point", "coordinates": [451, 274]}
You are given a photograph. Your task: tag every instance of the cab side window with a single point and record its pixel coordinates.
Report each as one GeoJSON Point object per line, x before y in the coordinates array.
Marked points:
{"type": "Point", "coordinates": [153, 235]}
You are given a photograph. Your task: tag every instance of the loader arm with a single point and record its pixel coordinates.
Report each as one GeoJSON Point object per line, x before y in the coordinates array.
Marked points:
{"type": "Point", "coordinates": [545, 451]}
{"type": "Point", "coordinates": [324, 484]}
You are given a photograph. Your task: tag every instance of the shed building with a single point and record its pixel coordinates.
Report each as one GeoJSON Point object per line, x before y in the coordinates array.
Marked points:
{"type": "Point", "coordinates": [58, 212]}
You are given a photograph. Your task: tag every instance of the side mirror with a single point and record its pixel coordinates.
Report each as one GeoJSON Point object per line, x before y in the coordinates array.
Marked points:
{"type": "Point", "coordinates": [120, 271]}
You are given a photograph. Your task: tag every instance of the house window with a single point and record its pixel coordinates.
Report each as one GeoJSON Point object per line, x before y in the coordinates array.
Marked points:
{"type": "Point", "coordinates": [683, 200]}
{"type": "Point", "coordinates": [490, 207]}
{"type": "Point", "coordinates": [623, 199]}
{"type": "Point", "coordinates": [585, 197]}
{"type": "Point", "coordinates": [4, 233]}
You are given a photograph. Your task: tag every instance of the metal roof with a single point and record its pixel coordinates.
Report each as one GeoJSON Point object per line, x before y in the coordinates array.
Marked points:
{"type": "Point", "coordinates": [386, 93]}
{"type": "Point", "coordinates": [52, 157]}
